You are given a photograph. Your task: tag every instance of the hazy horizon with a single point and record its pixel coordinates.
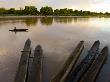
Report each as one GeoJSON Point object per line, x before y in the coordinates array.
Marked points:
{"type": "Point", "coordinates": [89, 5]}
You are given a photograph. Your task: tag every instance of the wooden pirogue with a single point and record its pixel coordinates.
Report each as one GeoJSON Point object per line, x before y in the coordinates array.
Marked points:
{"type": "Point", "coordinates": [35, 74]}
{"type": "Point", "coordinates": [15, 29]}
{"type": "Point", "coordinates": [93, 71]}
{"type": "Point", "coordinates": [71, 61]}
{"type": "Point", "coordinates": [23, 64]}
{"type": "Point", "coordinates": [76, 73]}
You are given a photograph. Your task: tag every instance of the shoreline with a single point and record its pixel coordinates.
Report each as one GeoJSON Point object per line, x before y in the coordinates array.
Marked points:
{"type": "Point", "coordinates": [5, 17]}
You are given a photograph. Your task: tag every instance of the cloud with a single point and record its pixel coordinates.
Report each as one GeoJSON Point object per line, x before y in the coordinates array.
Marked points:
{"type": "Point", "coordinates": [102, 6]}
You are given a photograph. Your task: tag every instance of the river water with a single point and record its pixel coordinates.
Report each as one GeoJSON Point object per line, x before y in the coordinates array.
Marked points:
{"type": "Point", "coordinates": [57, 36]}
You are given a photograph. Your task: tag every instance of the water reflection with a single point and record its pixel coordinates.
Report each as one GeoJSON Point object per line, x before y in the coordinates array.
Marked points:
{"type": "Point", "coordinates": [63, 20]}
{"type": "Point", "coordinates": [27, 21]}
{"type": "Point", "coordinates": [31, 21]}
{"type": "Point", "coordinates": [15, 32]}
{"type": "Point", "coordinates": [46, 21]}
{"type": "Point", "coordinates": [80, 19]}
{"type": "Point", "coordinates": [9, 21]}
{"type": "Point", "coordinates": [58, 41]}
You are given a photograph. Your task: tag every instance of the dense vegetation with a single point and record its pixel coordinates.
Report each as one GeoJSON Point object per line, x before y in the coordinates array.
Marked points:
{"type": "Point", "coordinates": [45, 11]}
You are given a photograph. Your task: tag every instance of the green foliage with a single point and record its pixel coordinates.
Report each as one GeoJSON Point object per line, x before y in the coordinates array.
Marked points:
{"type": "Point", "coordinates": [108, 14]}
{"type": "Point", "coordinates": [63, 12]}
{"type": "Point", "coordinates": [46, 11]}
{"type": "Point", "coordinates": [56, 12]}
{"type": "Point", "coordinates": [2, 11]}
{"type": "Point", "coordinates": [30, 10]}
{"type": "Point", "coordinates": [11, 11]}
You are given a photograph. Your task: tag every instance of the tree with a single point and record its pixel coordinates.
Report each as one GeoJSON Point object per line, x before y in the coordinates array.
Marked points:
{"type": "Point", "coordinates": [76, 12]}
{"type": "Point", "coordinates": [20, 12]}
{"type": "Point", "coordinates": [107, 14]}
{"type": "Point", "coordinates": [70, 11]}
{"type": "Point", "coordinates": [56, 12]}
{"type": "Point", "coordinates": [2, 11]}
{"type": "Point", "coordinates": [100, 13]}
{"type": "Point", "coordinates": [64, 12]}
{"type": "Point", "coordinates": [86, 13]}
{"type": "Point", "coordinates": [30, 10]}
{"type": "Point", "coordinates": [11, 11]}
{"type": "Point", "coordinates": [46, 11]}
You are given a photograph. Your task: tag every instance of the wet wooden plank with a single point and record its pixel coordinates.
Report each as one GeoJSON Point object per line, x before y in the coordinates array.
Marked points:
{"type": "Point", "coordinates": [23, 64]}
{"type": "Point", "coordinates": [35, 74]}
{"type": "Point", "coordinates": [79, 71]}
{"type": "Point", "coordinates": [71, 61]}
{"type": "Point", "coordinates": [93, 71]}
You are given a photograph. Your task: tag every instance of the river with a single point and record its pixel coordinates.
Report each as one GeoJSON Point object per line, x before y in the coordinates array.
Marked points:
{"type": "Point", "coordinates": [57, 36]}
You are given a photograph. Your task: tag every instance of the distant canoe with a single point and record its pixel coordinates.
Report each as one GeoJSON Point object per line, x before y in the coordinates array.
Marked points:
{"type": "Point", "coordinates": [15, 29]}
{"type": "Point", "coordinates": [19, 30]}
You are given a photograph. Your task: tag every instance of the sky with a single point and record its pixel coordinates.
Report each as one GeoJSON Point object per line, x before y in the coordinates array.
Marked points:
{"type": "Point", "coordinates": [91, 5]}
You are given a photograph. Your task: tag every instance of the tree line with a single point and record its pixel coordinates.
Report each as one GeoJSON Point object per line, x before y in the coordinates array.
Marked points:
{"type": "Point", "coordinates": [49, 11]}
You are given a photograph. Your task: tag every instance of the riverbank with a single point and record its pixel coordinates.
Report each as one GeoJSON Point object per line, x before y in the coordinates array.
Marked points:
{"type": "Point", "coordinates": [8, 17]}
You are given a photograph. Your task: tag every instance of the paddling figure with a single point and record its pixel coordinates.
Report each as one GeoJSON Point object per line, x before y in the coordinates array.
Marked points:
{"type": "Point", "coordinates": [14, 28]}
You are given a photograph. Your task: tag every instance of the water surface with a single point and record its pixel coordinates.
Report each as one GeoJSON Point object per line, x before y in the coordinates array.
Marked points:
{"type": "Point", "coordinates": [58, 37]}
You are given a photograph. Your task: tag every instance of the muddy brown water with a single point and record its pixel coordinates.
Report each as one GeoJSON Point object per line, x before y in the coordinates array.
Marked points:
{"type": "Point", "coordinates": [58, 37]}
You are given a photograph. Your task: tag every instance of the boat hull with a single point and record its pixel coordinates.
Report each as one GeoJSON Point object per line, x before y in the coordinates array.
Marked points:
{"type": "Point", "coordinates": [19, 30]}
